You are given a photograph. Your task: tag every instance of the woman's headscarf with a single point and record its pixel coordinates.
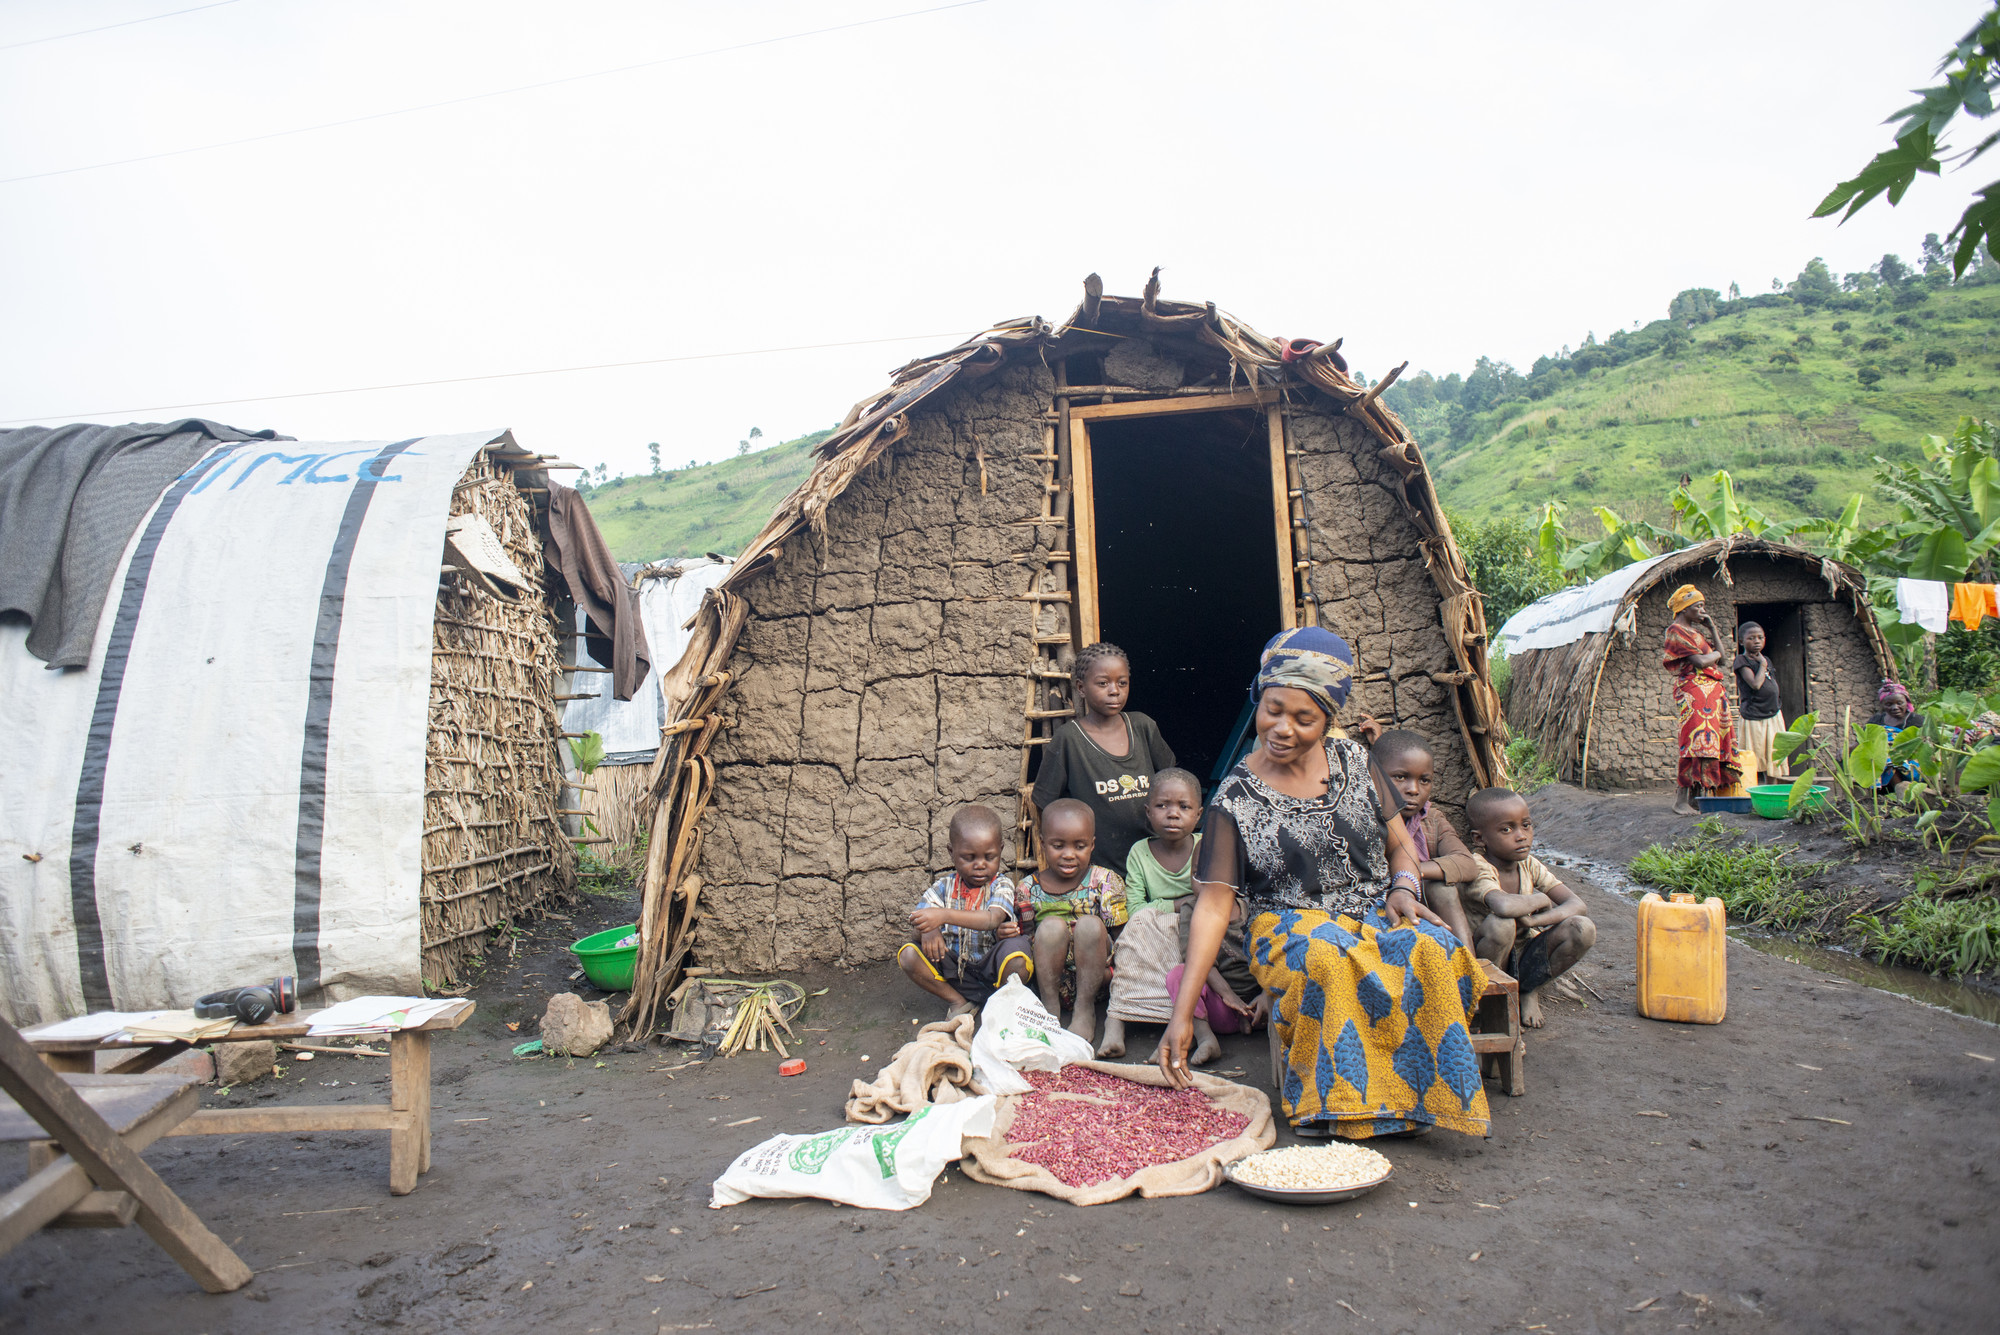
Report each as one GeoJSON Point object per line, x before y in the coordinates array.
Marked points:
{"type": "Point", "coordinates": [1894, 694]}
{"type": "Point", "coordinates": [1311, 659]}
{"type": "Point", "coordinates": [1686, 596]}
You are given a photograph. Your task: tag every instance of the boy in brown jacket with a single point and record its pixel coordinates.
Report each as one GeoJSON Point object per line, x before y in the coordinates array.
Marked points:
{"type": "Point", "coordinates": [1445, 863]}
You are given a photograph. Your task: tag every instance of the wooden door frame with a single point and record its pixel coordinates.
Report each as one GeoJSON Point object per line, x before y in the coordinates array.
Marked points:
{"type": "Point", "coordinates": [1083, 494]}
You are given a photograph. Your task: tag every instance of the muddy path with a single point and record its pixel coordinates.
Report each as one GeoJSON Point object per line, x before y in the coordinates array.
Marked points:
{"type": "Point", "coordinates": [572, 1195]}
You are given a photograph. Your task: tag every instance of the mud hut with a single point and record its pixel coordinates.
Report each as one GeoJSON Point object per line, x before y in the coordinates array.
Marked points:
{"type": "Point", "coordinates": [897, 640]}
{"type": "Point", "coordinates": [1587, 683]}
{"type": "Point", "coordinates": [316, 734]}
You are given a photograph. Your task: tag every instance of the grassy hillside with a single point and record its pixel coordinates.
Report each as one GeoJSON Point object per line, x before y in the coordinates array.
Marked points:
{"type": "Point", "coordinates": [1772, 391]}
{"type": "Point", "coordinates": [717, 507]}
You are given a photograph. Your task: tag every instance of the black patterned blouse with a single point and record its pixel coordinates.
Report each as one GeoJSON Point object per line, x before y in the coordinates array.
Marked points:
{"type": "Point", "coordinates": [1280, 852]}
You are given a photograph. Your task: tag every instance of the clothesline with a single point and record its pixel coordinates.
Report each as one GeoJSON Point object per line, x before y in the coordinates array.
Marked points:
{"type": "Point", "coordinates": [1929, 603]}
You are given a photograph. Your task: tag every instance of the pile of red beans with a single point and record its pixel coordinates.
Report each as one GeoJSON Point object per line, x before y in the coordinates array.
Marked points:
{"type": "Point", "coordinates": [1107, 1128]}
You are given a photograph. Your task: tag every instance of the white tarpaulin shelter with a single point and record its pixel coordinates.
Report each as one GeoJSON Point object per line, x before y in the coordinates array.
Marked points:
{"type": "Point", "coordinates": [1567, 615]}
{"type": "Point", "coordinates": [631, 728]}
{"type": "Point", "coordinates": [234, 785]}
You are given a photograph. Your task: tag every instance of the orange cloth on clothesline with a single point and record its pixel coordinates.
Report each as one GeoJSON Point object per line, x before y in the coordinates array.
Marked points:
{"type": "Point", "coordinates": [1972, 603]}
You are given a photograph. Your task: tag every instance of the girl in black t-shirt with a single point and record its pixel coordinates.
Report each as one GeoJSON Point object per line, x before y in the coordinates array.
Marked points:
{"type": "Point", "coordinates": [1761, 716]}
{"type": "Point", "coordinates": [1106, 756]}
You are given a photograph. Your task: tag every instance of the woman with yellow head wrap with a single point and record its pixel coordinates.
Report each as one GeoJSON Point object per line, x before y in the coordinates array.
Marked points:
{"type": "Point", "coordinates": [1701, 697]}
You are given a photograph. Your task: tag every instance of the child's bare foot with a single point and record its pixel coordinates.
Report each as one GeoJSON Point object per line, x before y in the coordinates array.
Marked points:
{"type": "Point", "coordinates": [1114, 1039]}
{"type": "Point", "coordinates": [1083, 1024]}
{"type": "Point", "coordinates": [1206, 1047]}
{"type": "Point", "coordinates": [1531, 1011]}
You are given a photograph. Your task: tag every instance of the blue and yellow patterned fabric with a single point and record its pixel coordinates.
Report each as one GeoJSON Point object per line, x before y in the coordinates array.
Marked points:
{"type": "Point", "coordinates": [1373, 1022]}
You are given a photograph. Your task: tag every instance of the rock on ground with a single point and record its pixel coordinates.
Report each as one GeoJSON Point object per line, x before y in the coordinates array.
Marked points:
{"type": "Point", "coordinates": [240, 1063]}
{"type": "Point", "coordinates": [574, 1026]}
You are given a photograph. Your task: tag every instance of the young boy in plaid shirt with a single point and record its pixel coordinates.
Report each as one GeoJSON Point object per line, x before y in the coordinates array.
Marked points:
{"type": "Point", "coordinates": [966, 944]}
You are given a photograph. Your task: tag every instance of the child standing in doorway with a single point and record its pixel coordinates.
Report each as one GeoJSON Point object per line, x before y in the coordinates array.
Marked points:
{"type": "Point", "coordinates": [1106, 756]}
{"type": "Point", "coordinates": [1757, 688]}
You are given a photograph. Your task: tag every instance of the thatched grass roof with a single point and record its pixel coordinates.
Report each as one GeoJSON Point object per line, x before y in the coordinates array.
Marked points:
{"type": "Point", "coordinates": [1553, 694]}
{"type": "Point", "coordinates": [683, 776]}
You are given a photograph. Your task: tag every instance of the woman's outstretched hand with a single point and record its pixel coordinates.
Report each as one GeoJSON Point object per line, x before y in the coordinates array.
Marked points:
{"type": "Point", "coordinates": [1174, 1053]}
{"type": "Point", "coordinates": [1402, 908]}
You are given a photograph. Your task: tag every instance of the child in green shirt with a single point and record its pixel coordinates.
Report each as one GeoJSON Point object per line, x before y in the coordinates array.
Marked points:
{"type": "Point", "coordinates": [1160, 870]}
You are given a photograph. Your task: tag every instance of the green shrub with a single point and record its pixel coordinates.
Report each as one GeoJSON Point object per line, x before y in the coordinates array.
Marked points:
{"type": "Point", "coordinates": [1757, 883]}
{"type": "Point", "coordinates": [1954, 936]}
{"type": "Point", "coordinates": [1526, 770]}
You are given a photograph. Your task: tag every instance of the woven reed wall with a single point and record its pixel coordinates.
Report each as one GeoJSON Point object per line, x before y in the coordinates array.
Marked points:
{"type": "Point", "coordinates": [494, 845]}
{"type": "Point", "coordinates": [612, 801]}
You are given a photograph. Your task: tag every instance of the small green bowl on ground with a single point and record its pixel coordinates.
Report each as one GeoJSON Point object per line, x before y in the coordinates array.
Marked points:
{"type": "Point", "coordinates": [604, 961]}
{"type": "Point", "coordinates": [1772, 801]}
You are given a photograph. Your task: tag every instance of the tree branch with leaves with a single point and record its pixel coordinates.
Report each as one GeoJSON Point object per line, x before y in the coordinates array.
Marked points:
{"type": "Point", "coordinates": [1971, 74]}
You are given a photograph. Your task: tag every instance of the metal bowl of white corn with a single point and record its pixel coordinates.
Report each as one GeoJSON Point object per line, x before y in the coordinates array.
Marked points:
{"type": "Point", "coordinates": [1311, 1174]}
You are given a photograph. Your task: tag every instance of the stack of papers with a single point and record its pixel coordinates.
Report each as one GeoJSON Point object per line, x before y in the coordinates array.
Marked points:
{"type": "Point", "coordinates": [374, 1015]}
{"type": "Point", "coordinates": [91, 1028]}
{"type": "Point", "coordinates": [177, 1027]}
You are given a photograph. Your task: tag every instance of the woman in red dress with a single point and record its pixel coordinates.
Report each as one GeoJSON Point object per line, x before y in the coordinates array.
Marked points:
{"type": "Point", "coordinates": [1701, 695]}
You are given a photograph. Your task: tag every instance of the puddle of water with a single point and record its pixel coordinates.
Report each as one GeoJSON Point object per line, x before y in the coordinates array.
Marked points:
{"type": "Point", "coordinates": [1914, 984]}
{"type": "Point", "coordinates": [1909, 983]}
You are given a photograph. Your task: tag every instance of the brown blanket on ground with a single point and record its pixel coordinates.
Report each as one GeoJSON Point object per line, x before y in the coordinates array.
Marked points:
{"type": "Point", "coordinates": [988, 1159]}
{"type": "Point", "coordinates": [934, 1067]}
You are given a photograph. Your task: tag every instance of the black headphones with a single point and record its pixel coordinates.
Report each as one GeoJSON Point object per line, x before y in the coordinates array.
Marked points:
{"type": "Point", "coordinates": [250, 1005]}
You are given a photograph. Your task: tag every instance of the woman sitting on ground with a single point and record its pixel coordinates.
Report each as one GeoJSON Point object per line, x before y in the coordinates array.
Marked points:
{"type": "Point", "coordinates": [1373, 992]}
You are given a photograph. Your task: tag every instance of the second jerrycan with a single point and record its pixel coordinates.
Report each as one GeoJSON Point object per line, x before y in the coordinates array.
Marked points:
{"type": "Point", "coordinates": [1683, 970]}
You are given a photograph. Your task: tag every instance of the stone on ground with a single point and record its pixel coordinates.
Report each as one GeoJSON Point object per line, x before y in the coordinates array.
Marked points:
{"type": "Point", "coordinates": [574, 1026]}
{"type": "Point", "coordinates": [240, 1063]}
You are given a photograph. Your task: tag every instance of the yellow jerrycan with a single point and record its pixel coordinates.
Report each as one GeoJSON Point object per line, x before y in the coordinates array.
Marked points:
{"type": "Point", "coordinates": [1746, 771]}
{"type": "Point", "coordinates": [1683, 972]}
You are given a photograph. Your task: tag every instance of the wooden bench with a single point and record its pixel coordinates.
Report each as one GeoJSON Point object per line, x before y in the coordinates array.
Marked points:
{"type": "Point", "coordinates": [91, 1175]}
{"type": "Point", "coordinates": [1496, 1030]}
{"type": "Point", "coordinates": [1496, 1033]}
{"type": "Point", "coordinates": [406, 1117]}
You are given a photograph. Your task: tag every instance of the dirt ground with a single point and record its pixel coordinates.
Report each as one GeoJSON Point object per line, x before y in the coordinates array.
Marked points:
{"type": "Point", "coordinates": [1826, 1161]}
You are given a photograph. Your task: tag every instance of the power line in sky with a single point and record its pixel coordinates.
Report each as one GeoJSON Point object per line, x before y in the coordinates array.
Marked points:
{"type": "Point", "coordinates": [497, 92]}
{"type": "Point", "coordinates": [469, 379]}
{"type": "Point", "coordinates": [85, 32]}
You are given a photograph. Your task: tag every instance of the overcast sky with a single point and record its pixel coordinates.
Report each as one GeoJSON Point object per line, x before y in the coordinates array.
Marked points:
{"type": "Point", "coordinates": [1429, 181]}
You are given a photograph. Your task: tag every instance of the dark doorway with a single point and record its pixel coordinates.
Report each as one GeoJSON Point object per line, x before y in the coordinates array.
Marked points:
{"type": "Point", "coordinates": [1785, 646]}
{"type": "Point", "coordinates": [1187, 566]}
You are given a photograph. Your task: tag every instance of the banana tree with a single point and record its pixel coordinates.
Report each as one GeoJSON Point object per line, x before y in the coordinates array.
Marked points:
{"type": "Point", "coordinates": [1624, 541]}
{"type": "Point", "coordinates": [1708, 507]}
{"type": "Point", "coordinates": [1948, 505]}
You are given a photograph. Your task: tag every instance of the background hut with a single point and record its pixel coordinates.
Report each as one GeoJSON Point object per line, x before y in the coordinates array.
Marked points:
{"type": "Point", "coordinates": [317, 734]}
{"type": "Point", "coordinates": [897, 640]}
{"type": "Point", "coordinates": [1587, 683]}
{"type": "Point", "coordinates": [612, 799]}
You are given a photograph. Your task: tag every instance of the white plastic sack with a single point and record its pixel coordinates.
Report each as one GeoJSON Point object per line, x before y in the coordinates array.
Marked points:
{"type": "Point", "coordinates": [1016, 1034]}
{"type": "Point", "coordinates": [874, 1167]}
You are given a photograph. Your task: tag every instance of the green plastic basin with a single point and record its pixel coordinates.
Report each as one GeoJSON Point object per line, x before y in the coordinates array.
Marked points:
{"type": "Point", "coordinates": [604, 961]}
{"type": "Point", "coordinates": [1770, 800]}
